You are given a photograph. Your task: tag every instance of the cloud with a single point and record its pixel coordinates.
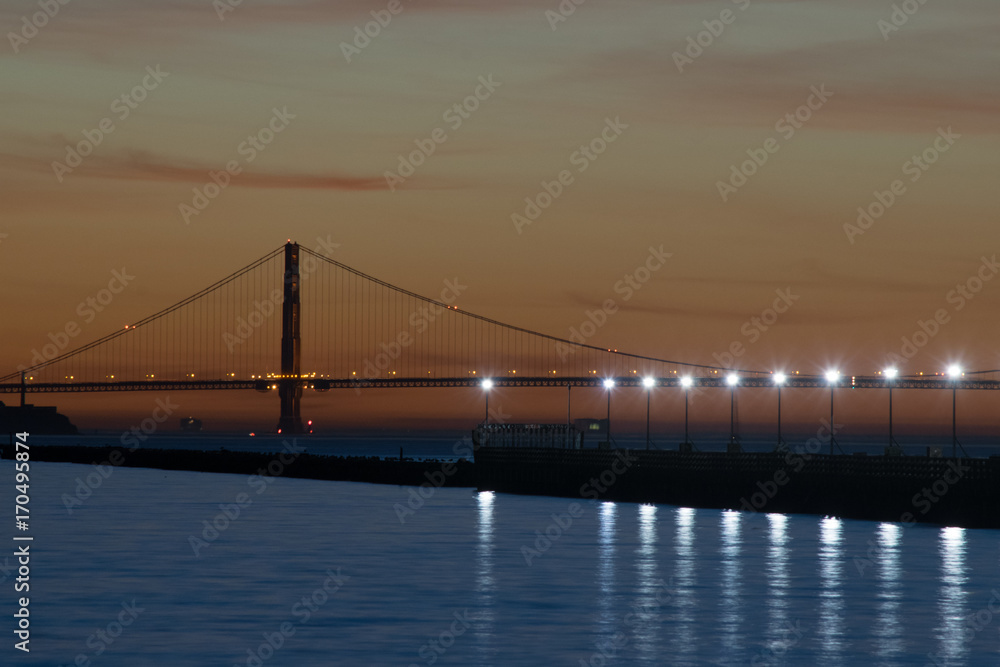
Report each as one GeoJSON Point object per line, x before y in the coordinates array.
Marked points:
{"type": "Point", "coordinates": [102, 28]}
{"type": "Point", "coordinates": [940, 71]}
{"type": "Point", "coordinates": [144, 166]}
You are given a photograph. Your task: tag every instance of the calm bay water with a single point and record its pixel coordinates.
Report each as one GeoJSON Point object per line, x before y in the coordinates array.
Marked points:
{"type": "Point", "coordinates": [329, 574]}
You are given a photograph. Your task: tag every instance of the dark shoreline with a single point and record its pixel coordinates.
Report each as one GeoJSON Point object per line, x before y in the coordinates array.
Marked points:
{"type": "Point", "coordinates": [903, 489]}
{"type": "Point", "coordinates": [907, 490]}
{"type": "Point", "coordinates": [372, 469]}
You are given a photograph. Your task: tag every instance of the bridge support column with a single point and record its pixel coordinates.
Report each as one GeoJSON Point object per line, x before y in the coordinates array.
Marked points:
{"type": "Point", "coordinates": [289, 386]}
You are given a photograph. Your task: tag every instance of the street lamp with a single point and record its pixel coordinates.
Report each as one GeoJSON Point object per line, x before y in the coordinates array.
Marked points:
{"type": "Point", "coordinates": [648, 383]}
{"type": "Point", "coordinates": [779, 379]}
{"type": "Point", "coordinates": [609, 385]}
{"type": "Point", "coordinates": [732, 380]}
{"type": "Point", "coordinates": [832, 377]}
{"type": "Point", "coordinates": [890, 375]}
{"type": "Point", "coordinates": [487, 384]}
{"type": "Point", "coordinates": [955, 374]}
{"type": "Point", "coordinates": [686, 383]}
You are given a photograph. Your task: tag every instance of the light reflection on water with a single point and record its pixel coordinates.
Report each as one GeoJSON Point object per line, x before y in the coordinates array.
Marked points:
{"type": "Point", "coordinates": [684, 638]}
{"type": "Point", "coordinates": [485, 579]}
{"type": "Point", "coordinates": [736, 581]}
{"type": "Point", "coordinates": [606, 617]}
{"type": "Point", "coordinates": [831, 559]}
{"type": "Point", "coordinates": [888, 627]}
{"type": "Point", "coordinates": [777, 579]}
{"type": "Point", "coordinates": [647, 605]}
{"type": "Point", "coordinates": [953, 593]}
{"type": "Point", "coordinates": [731, 611]}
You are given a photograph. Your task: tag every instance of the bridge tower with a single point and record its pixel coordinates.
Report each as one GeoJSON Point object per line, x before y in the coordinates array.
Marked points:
{"type": "Point", "coordinates": [290, 386]}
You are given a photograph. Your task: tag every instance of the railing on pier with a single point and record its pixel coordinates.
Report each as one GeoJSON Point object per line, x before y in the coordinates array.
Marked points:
{"type": "Point", "coordinates": [553, 436]}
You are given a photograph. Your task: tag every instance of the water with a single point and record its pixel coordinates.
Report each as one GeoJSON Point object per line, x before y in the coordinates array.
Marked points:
{"type": "Point", "coordinates": [613, 583]}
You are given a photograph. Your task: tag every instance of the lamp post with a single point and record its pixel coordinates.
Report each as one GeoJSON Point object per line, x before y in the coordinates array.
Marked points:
{"type": "Point", "coordinates": [648, 383]}
{"type": "Point", "coordinates": [832, 377]}
{"type": "Point", "coordinates": [487, 384]}
{"type": "Point", "coordinates": [569, 405]}
{"type": "Point", "coordinates": [890, 375]}
{"type": "Point", "coordinates": [686, 383]}
{"type": "Point", "coordinates": [779, 379]}
{"type": "Point", "coordinates": [732, 380]}
{"type": "Point", "coordinates": [955, 373]}
{"type": "Point", "coordinates": [609, 385]}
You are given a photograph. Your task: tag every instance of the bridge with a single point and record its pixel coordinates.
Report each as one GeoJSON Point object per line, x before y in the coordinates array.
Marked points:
{"type": "Point", "coordinates": [296, 320]}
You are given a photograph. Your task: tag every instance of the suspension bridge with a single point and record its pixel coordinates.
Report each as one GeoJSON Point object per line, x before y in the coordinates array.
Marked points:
{"type": "Point", "coordinates": [296, 320]}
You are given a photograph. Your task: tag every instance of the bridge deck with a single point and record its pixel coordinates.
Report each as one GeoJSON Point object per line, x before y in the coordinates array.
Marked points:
{"type": "Point", "coordinates": [857, 382]}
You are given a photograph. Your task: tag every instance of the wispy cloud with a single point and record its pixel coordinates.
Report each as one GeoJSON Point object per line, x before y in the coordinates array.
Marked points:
{"type": "Point", "coordinates": [144, 166]}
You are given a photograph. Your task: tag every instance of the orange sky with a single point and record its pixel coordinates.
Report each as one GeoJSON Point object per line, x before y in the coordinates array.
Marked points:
{"type": "Point", "coordinates": [927, 90]}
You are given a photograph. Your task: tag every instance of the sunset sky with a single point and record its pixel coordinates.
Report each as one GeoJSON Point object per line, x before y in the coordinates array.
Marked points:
{"type": "Point", "coordinates": [685, 92]}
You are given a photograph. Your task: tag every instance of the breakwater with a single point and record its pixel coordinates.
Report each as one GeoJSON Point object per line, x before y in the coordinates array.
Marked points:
{"type": "Point", "coordinates": [955, 492]}
{"type": "Point", "coordinates": [944, 491]}
{"type": "Point", "coordinates": [298, 464]}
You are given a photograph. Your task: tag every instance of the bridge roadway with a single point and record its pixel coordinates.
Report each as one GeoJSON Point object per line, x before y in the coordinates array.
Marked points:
{"type": "Point", "coordinates": [674, 381]}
